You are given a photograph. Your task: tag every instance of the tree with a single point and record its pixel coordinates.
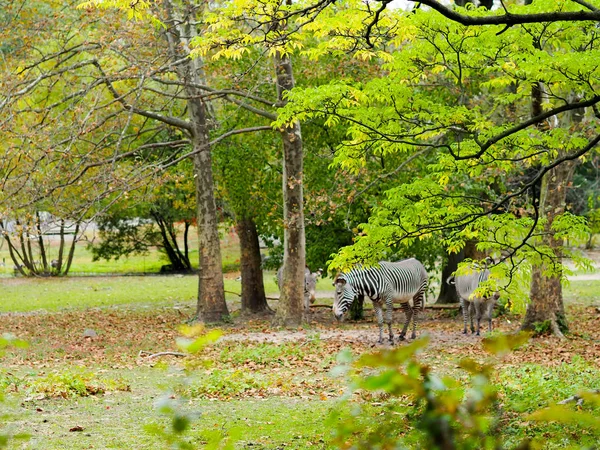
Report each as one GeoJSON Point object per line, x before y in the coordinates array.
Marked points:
{"type": "Point", "coordinates": [34, 255]}
{"type": "Point", "coordinates": [124, 85]}
{"type": "Point", "coordinates": [446, 94]}
{"type": "Point", "coordinates": [235, 29]}
{"type": "Point", "coordinates": [151, 218]}
{"type": "Point", "coordinates": [59, 134]}
{"type": "Point", "coordinates": [247, 183]}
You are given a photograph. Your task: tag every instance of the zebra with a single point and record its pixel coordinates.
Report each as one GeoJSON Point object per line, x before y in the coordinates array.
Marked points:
{"type": "Point", "coordinates": [481, 307]}
{"type": "Point", "coordinates": [310, 285]}
{"type": "Point", "coordinates": [389, 282]}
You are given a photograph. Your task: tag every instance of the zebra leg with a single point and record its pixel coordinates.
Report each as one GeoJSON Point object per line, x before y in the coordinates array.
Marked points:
{"type": "Point", "coordinates": [408, 312]}
{"type": "Point", "coordinates": [489, 312]}
{"type": "Point", "coordinates": [389, 310]}
{"type": "Point", "coordinates": [417, 305]}
{"type": "Point", "coordinates": [477, 307]}
{"type": "Point", "coordinates": [464, 306]}
{"type": "Point", "coordinates": [379, 313]}
{"type": "Point", "coordinates": [471, 309]}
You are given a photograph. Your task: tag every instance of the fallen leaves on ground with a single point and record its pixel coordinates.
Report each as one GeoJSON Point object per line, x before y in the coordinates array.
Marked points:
{"type": "Point", "coordinates": [59, 338]}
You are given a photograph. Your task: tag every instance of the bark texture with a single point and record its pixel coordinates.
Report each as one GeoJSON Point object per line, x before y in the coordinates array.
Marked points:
{"type": "Point", "coordinates": [254, 299]}
{"type": "Point", "coordinates": [211, 306]}
{"type": "Point", "coordinates": [211, 290]}
{"type": "Point", "coordinates": [545, 311]}
{"type": "Point", "coordinates": [290, 308]}
{"type": "Point", "coordinates": [546, 308]}
{"type": "Point", "coordinates": [448, 292]}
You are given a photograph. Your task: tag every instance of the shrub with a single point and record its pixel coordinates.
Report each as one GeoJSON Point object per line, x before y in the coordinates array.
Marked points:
{"type": "Point", "coordinates": [225, 383]}
{"type": "Point", "coordinates": [66, 384]}
{"type": "Point", "coordinates": [267, 354]}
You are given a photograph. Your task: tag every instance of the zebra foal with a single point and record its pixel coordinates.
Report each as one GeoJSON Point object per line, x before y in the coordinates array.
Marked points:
{"type": "Point", "coordinates": [474, 305]}
{"type": "Point", "coordinates": [310, 285]}
{"type": "Point", "coordinates": [391, 281]}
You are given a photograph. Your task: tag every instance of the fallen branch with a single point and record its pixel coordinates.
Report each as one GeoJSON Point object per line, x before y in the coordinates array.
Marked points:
{"type": "Point", "coordinates": [443, 306]}
{"type": "Point", "coordinates": [398, 308]}
{"type": "Point", "coordinates": [578, 399]}
{"type": "Point", "coordinates": [149, 355]}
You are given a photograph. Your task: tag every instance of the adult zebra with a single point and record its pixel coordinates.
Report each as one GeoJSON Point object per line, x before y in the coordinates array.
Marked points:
{"type": "Point", "coordinates": [474, 305]}
{"type": "Point", "coordinates": [388, 282]}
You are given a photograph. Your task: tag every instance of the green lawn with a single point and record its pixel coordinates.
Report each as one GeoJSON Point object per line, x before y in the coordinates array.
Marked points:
{"type": "Point", "coordinates": [54, 294]}
{"type": "Point", "coordinates": [120, 420]}
{"type": "Point", "coordinates": [70, 392]}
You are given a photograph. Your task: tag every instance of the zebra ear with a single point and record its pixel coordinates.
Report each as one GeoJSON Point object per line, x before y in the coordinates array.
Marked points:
{"type": "Point", "coordinates": [339, 281]}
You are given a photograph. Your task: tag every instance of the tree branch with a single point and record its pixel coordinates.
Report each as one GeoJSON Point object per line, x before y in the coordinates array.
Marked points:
{"type": "Point", "coordinates": [511, 19]}
{"type": "Point", "coordinates": [383, 6]}
{"type": "Point", "coordinates": [523, 125]}
{"type": "Point", "coordinates": [172, 121]}
{"type": "Point", "coordinates": [215, 141]}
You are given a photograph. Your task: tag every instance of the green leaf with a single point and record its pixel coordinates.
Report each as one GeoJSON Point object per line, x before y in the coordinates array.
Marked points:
{"type": "Point", "coordinates": [505, 343]}
{"type": "Point", "coordinates": [394, 357]}
{"type": "Point", "coordinates": [562, 414]}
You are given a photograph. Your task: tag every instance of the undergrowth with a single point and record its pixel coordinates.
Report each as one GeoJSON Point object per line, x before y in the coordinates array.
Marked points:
{"type": "Point", "coordinates": [60, 384]}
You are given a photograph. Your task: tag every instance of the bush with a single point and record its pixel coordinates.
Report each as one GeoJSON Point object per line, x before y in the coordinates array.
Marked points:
{"type": "Point", "coordinates": [66, 384]}
{"type": "Point", "coordinates": [7, 341]}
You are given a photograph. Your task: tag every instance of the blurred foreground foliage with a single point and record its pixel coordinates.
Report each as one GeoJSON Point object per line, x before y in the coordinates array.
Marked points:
{"type": "Point", "coordinates": [393, 401]}
{"type": "Point", "coordinates": [420, 409]}
{"type": "Point", "coordinates": [7, 341]}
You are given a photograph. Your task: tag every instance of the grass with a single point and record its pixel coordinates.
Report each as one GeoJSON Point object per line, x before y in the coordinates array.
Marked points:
{"type": "Point", "coordinates": [55, 294]}
{"type": "Point", "coordinates": [68, 383]}
{"type": "Point", "coordinates": [121, 421]}
{"type": "Point", "coordinates": [531, 387]}
{"type": "Point", "coordinates": [583, 291]}
{"type": "Point", "coordinates": [262, 395]}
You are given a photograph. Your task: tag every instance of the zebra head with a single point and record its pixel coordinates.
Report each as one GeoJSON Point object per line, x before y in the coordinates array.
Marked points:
{"type": "Point", "coordinates": [343, 298]}
{"type": "Point", "coordinates": [310, 285]}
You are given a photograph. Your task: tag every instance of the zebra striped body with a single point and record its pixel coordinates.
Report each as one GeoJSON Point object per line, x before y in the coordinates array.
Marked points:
{"type": "Point", "coordinates": [310, 285]}
{"type": "Point", "coordinates": [391, 281]}
{"type": "Point", "coordinates": [471, 304]}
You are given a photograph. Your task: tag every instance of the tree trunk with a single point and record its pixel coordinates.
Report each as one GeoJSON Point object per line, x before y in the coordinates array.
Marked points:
{"type": "Point", "coordinates": [186, 247]}
{"type": "Point", "coordinates": [211, 290]}
{"type": "Point", "coordinates": [357, 308]}
{"type": "Point", "coordinates": [471, 252]}
{"type": "Point", "coordinates": [43, 258]}
{"type": "Point", "coordinates": [291, 301]}
{"type": "Point", "coordinates": [71, 250]}
{"type": "Point", "coordinates": [61, 248]}
{"type": "Point", "coordinates": [546, 311]}
{"type": "Point", "coordinates": [448, 291]}
{"type": "Point", "coordinates": [179, 261]}
{"type": "Point", "coordinates": [254, 299]}
{"type": "Point", "coordinates": [211, 306]}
